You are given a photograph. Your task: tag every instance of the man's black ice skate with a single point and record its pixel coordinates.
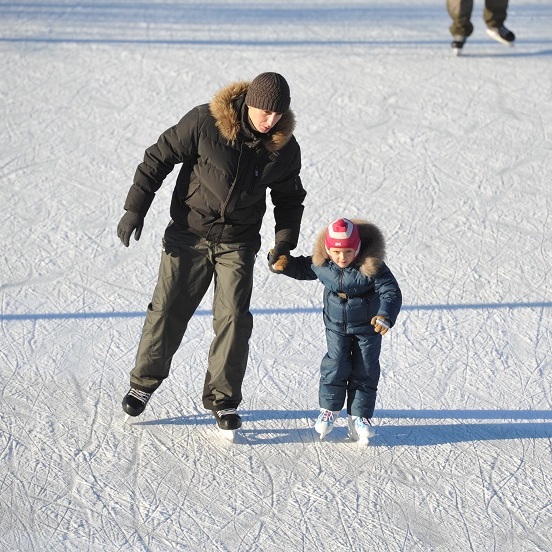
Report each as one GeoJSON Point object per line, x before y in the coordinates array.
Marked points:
{"type": "Point", "coordinates": [457, 44]}
{"type": "Point", "coordinates": [502, 34]}
{"type": "Point", "coordinates": [134, 402]}
{"type": "Point", "coordinates": [227, 419]}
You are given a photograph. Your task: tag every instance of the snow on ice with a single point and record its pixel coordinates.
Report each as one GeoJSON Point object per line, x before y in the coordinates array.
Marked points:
{"type": "Point", "coordinates": [451, 157]}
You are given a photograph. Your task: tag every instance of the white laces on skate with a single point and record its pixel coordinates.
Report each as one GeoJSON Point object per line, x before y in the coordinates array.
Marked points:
{"type": "Point", "coordinates": [142, 396]}
{"type": "Point", "coordinates": [360, 429]}
{"type": "Point", "coordinates": [325, 422]}
{"type": "Point", "coordinates": [226, 412]}
{"type": "Point", "coordinates": [363, 423]}
{"type": "Point", "coordinates": [364, 427]}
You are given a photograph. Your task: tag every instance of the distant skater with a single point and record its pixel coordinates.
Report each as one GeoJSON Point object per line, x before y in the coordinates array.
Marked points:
{"type": "Point", "coordinates": [362, 300]}
{"type": "Point", "coordinates": [494, 16]}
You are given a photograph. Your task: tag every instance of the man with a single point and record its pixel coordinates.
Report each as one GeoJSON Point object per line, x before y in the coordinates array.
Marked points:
{"type": "Point", "coordinates": [494, 15]}
{"type": "Point", "coordinates": [231, 150]}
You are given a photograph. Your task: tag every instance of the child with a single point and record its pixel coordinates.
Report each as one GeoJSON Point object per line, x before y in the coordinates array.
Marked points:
{"type": "Point", "coordinates": [361, 302]}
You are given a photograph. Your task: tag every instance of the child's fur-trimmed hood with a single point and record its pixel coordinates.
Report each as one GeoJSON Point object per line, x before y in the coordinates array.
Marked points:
{"type": "Point", "coordinates": [228, 119]}
{"type": "Point", "coordinates": [372, 249]}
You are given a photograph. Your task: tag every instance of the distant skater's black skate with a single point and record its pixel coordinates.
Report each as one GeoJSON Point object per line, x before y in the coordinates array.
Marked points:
{"type": "Point", "coordinates": [457, 44]}
{"type": "Point", "coordinates": [502, 34]}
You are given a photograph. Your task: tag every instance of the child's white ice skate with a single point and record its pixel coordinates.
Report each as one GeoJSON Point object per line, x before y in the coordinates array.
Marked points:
{"type": "Point", "coordinates": [325, 422]}
{"type": "Point", "coordinates": [360, 429]}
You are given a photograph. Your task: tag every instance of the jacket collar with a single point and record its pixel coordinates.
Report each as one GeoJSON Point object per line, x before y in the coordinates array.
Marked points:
{"type": "Point", "coordinates": [227, 107]}
{"type": "Point", "coordinates": [372, 249]}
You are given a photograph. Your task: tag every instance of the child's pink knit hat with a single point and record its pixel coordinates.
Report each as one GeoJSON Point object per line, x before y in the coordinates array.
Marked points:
{"type": "Point", "coordinates": [342, 234]}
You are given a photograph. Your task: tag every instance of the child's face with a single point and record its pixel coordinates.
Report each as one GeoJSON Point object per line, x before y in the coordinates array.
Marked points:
{"type": "Point", "coordinates": [342, 257]}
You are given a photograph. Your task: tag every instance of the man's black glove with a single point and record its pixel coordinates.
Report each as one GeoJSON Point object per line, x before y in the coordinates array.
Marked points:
{"type": "Point", "coordinates": [278, 257]}
{"type": "Point", "coordinates": [128, 223]}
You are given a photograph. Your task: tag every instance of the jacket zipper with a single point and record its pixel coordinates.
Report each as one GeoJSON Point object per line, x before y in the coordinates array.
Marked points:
{"type": "Point", "coordinates": [254, 181]}
{"type": "Point", "coordinates": [344, 304]}
{"type": "Point", "coordinates": [232, 188]}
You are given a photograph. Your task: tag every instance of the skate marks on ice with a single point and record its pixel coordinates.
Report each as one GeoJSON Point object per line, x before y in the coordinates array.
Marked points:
{"type": "Point", "coordinates": [284, 489]}
{"type": "Point", "coordinates": [255, 495]}
{"type": "Point", "coordinates": [166, 481]}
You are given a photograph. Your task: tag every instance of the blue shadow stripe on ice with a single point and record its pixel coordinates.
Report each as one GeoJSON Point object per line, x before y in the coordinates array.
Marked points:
{"type": "Point", "coordinates": [439, 434]}
{"type": "Point", "coordinates": [293, 414]}
{"type": "Point", "coordinates": [466, 414]}
{"type": "Point", "coordinates": [509, 425]}
{"type": "Point", "coordinates": [261, 312]}
{"type": "Point", "coordinates": [542, 52]}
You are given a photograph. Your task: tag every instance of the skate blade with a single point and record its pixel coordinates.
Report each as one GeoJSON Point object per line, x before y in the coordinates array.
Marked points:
{"type": "Point", "coordinates": [323, 434]}
{"type": "Point", "coordinates": [323, 430]}
{"type": "Point", "coordinates": [362, 441]}
{"type": "Point", "coordinates": [228, 434]}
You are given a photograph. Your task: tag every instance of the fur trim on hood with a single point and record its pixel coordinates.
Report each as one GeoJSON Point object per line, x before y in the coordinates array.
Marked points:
{"type": "Point", "coordinates": [228, 119]}
{"type": "Point", "coordinates": [372, 249]}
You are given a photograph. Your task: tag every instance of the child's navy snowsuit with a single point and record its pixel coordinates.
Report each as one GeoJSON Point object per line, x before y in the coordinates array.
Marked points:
{"type": "Point", "coordinates": [350, 369]}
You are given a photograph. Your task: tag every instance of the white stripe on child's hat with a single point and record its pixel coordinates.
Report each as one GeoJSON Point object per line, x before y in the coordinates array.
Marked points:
{"type": "Point", "coordinates": [342, 234]}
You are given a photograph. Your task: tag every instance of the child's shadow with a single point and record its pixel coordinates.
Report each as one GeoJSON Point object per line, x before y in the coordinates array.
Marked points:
{"type": "Point", "coordinates": [520, 424]}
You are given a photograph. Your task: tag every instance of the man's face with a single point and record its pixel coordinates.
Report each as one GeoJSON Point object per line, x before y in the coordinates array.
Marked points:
{"type": "Point", "coordinates": [263, 120]}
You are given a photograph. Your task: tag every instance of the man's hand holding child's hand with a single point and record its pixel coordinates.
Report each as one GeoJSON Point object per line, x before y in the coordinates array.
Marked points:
{"type": "Point", "coordinates": [278, 257]}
